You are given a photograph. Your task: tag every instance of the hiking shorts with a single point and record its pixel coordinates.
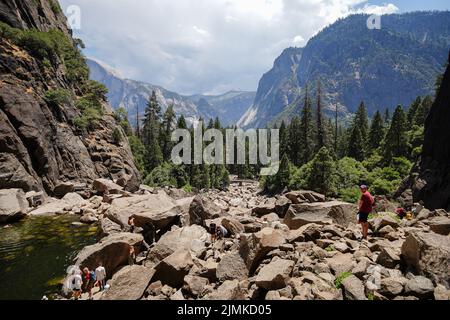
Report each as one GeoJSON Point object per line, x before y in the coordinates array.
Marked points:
{"type": "Point", "coordinates": [362, 217]}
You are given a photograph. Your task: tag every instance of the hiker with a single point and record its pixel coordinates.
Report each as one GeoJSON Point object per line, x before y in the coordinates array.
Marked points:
{"type": "Point", "coordinates": [100, 274]}
{"type": "Point", "coordinates": [212, 231]}
{"type": "Point", "coordinates": [365, 208]}
{"type": "Point", "coordinates": [75, 282]}
{"type": "Point", "coordinates": [401, 213]}
{"type": "Point", "coordinates": [149, 233]}
{"type": "Point", "coordinates": [221, 232]}
{"type": "Point", "coordinates": [89, 281]}
{"type": "Point", "coordinates": [131, 256]}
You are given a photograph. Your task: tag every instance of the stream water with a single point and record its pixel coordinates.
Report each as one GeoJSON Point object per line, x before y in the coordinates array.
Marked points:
{"type": "Point", "coordinates": [35, 253]}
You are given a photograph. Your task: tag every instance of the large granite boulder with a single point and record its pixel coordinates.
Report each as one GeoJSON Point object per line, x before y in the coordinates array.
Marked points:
{"type": "Point", "coordinates": [129, 283]}
{"type": "Point", "coordinates": [320, 213]}
{"type": "Point", "coordinates": [112, 252]}
{"type": "Point", "coordinates": [428, 254]}
{"type": "Point", "coordinates": [13, 205]}
{"type": "Point", "coordinates": [202, 209]}
{"type": "Point", "coordinates": [174, 268]}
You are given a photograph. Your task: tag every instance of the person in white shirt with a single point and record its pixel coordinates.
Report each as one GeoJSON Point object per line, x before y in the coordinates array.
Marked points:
{"type": "Point", "coordinates": [100, 274]}
{"type": "Point", "coordinates": [75, 283]}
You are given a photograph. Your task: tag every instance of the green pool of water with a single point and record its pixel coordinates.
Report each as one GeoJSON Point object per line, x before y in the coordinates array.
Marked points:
{"type": "Point", "coordinates": [35, 253]}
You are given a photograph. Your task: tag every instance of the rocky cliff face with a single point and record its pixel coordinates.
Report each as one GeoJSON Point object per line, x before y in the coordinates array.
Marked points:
{"type": "Point", "coordinates": [430, 181]}
{"type": "Point", "coordinates": [39, 143]}
{"type": "Point", "coordinates": [383, 68]}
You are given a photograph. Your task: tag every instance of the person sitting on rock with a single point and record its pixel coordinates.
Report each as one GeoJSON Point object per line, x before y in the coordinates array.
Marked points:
{"type": "Point", "coordinates": [221, 232]}
{"type": "Point", "coordinates": [401, 213]}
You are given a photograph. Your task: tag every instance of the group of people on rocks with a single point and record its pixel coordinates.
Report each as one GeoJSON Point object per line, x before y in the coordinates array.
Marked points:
{"type": "Point", "coordinates": [83, 281]}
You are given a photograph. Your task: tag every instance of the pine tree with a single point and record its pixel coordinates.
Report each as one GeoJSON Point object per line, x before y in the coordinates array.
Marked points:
{"type": "Point", "coordinates": [284, 138]}
{"type": "Point", "coordinates": [376, 133]}
{"type": "Point", "coordinates": [323, 171]}
{"type": "Point", "coordinates": [294, 141]}
{"type": "Point", "coordinates": [357, 147]}
{"type": "Point", "coordinates": [320, 143]}
{"type": "Point", "coordinates": [356, 144]}
{"type": "Point", "coordinates": [396, 142]}
{"type": "Point", "coordinates": [283, 174]}
{"type": "Point", "coordinates": [138, 124]}
{"type": "Point", "coordinates": [387, 118]}
{"type": "Point", "coordinates": [166, 132]}
{"type": "Point", "coordinates": [306, 136]}
{"type": "Point", "coordinates": [181, 123]}
{"type": "Point", "coordinates": [150, 135]}
{"type": "Point", "coordinates": [422, 111]}
{"type": "Point", "coordinates": [413, 110]}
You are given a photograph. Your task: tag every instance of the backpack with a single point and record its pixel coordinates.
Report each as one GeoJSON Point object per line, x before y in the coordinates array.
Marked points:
{"type": "Point", "coordinates": [93, 276]}
{"type": "Point", "coordinates": [212, 228]}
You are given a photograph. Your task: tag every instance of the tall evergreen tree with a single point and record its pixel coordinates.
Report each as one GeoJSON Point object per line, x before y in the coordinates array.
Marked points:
{"type": "Point", "coordinates": [357, 147]}
{"type": "Point", "coordinates": [413, 110]}
{"type": "Point", "coordinates": [376, 133]}
{"type": "Point", "coordinates": [320, 143]}
{"type": "Point", "coordinates": [323, 172]}
{"type": "Point", "coordinates": [422, 111]}
{"type": "Point", "coordinates": [284, 139]}
{"type": "Point", "coordinates": [166, 132]}
{"type": "Point", "coordinates": [307, 135]}
{"type": "Point", "coordinates": [150, 134]}
{"type": "Point", "coordinates": [387, 118]}
{"type": "Point", "coordinates": [294, 141]}
{"type": "Point", "coordinates": [396, 141]}
{"type": "Point", "coordinates": [181, 123]}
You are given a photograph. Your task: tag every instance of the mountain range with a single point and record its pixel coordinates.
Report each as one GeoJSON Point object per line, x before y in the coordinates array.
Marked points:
{"type": "Point", "coordinates": [383, 67]}
{"type": "Point", "coordinates": [133, 96]}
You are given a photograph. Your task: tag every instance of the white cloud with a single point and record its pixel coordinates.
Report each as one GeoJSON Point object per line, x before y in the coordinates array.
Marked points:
{"type": "Point", "coordinates": [196, 46]}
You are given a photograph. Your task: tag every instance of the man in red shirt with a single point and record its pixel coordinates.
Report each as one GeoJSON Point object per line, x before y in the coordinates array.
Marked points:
{"type": "Point", "coordinates": [365, 208]}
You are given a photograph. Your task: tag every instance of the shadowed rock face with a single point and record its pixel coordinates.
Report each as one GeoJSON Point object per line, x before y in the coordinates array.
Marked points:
{"type": "Point", "coordinates": [40, 146]}
{"type": "Point", "coordinates": [433, 182]}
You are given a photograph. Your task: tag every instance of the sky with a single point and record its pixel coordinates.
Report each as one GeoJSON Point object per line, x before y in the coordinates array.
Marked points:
{"type": "Point", "coordinates": [210, 46]}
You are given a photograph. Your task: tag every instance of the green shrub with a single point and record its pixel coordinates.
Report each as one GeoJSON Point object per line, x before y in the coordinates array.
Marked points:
{"type": "Point", "coordinates": [330, 248]}
{"type": "Point", "coordinates": [89, 119]}
{"type": "Point", "coordinates": [138, 150]}
{"type": "Point", "coordinates": [55, 7]}
{"type": "Point", "coordinates": [58, 96]}
{"type": "Point", "coordinates": [161, 176]}
{"type": "Point", "coordinates": [351, 195]}
{"type": "Point", "coordinates": [341, 277]}
{"type": "Point", "coordinates": [117, 136]}
{"type": "Point", "coordinates": [187, 188]}
{"type": "Point", "coordinates": [38, 44]}
{"type": "Point", "coordinates": [8, 32]}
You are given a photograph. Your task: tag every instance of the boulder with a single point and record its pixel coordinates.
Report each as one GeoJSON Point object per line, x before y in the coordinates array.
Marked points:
{"type": "Point", "coordinates": [384, 220]}
{"type": "Point", "coordinates": [264, 209]}
{"type": "Point", "coordinates": [112, 252]}
{"type": "Point", "coordinates": [281, 206]}
{"type": "Point", "coordinates": [158, 209]}
{"type": "Point", "coordinates": [440, 225]}
{"type": "Point", "coordinates": [274, 275]}
{"type": "Point", "coordinates": [61, 189]}
{"type": "Point", "coordinates": [391, 287]}
{"type": "Point", "coordinates": [228, 290]}
{"type": "Point", "coordinates": [108, 227]}
{"type": "Point", "coordinates": [105, 185]}
{"type": "Point", "coordinates": [53, 206]}
{"type": "Point", "coordinates": [174, 268]}
{"type": "Point", "coordinates": [88, 218]}
{"type": "Point", "coordinates": [233, 226]}
{"type": "Point", "coordinates": [308, 232]}
{"type": "Point", "coordinates": [340, 263]}
{"type": "Point", "coordinates": [13, 205]}
{"type": "Point", "coordinates": [441, 293]}
{"type": "Point", "coordinates": [192, 238]}
{"type": "Point", "coordinates": [195, 285]}
{"type": "Point", "coordinates": [420, 287]}
{"type": "Point", "coordinates": [353, 288]}
{"type": "Point", "coordinates": [73, 199]}
{"type": "Point", "coordinates": [320, 213]}
{"type": "Point", "coordinates": [254, 247]}
{"type": "Point", "coordinates": [202, 209]}
{"type": "Point", "coordinates": [388, 257]}
{"type": "Point", "coordinates": [129, 283]}
{"type": "Point", "coordinates": [231, 266]}
{"type": "Point", "coordinates": [428, 254]}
